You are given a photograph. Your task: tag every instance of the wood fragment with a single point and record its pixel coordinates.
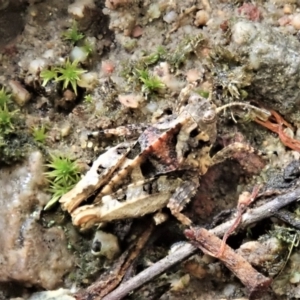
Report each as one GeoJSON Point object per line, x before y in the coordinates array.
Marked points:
{"type": "Point", "coordinates": [211, 244]}
{"type": "Point", "coordinates": [187, 249]}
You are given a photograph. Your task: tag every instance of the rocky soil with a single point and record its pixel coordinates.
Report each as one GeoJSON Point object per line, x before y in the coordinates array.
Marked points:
{"type": "Point", "coordinates": [227, 51]}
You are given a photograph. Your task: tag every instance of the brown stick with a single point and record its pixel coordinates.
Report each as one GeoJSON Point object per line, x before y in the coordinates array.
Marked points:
{"type": "Point", "coordinates": [210, 244]}
{"type": "Point", "coordinates": [187, 250]}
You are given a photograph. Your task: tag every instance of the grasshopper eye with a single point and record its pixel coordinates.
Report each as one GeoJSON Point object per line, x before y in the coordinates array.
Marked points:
{"type": "Point", "coordinates": [209, 116]}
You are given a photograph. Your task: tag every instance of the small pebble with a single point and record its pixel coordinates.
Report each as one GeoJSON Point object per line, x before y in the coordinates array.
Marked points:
{"type": "Point", "coordinates": [243, 32]}
{"type": "Point", "coordinates": [131, 100]}
{"type": "Point", "coordinates": [287, 9]}
{"type": "Point", "coordinates": [201, 18]}
{"type": "Point", "coordinates": [77, 8]}
{"type": "Point", "coordinates": [295, 21]}
{"type": "Point", "coordinates": [192, 75]}
{"type": "Point", "coordinates": [79, 53]}
{"type": "Point", "coordinates": [65, 130]}
{"type": "Point", "coordinates": [137, 31]}
{"type": "Point", "coordinates": [170, 17]}
{"type": "Point", "coordinates": [20, 95]}
{"type": "Point", "coordinates": [284, 20]}
{"type": "Point", "coordinates": [36, 65]}
{"type": "Point", "coordinates": [88, 80]}
{"type": "Point", "coordinates": [107, 67]}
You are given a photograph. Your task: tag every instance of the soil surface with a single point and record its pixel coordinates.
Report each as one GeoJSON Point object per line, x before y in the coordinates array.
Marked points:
{"type": "Point", "coordinates": [138, 67]}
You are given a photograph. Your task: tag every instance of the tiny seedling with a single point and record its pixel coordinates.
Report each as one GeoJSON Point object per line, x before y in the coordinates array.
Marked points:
{"type": "Point", "coordinates": [39, 134]}
{"type": "Point", "coordinates": [6, 120]}
{"type": "Point", "coordinates": [72, 34]}
{"type": "Point", "coordinates": [5, 98]}
{"type": "Point", "coordinates": [151, 83]}
{"type": "Point", "coordinates": [47, 75]}
{"type": "Point", "coordinates": [63, 174]}
{"type": "Point", "coordinates": [88, 98]}
{"type": "Point", "coordinates": [154, 57]}
{"type": "Point", "coordinates": [69, 74]}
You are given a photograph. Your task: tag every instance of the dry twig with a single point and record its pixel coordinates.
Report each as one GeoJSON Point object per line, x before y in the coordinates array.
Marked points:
{"type": "Point", "coordinates": [210, 244]}
{"type": "Point", "coordinates": [186, 250]}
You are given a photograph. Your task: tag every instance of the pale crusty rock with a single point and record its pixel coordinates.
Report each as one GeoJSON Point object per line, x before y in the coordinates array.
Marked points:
{"type": "Point", "coordinates": [29, 253]}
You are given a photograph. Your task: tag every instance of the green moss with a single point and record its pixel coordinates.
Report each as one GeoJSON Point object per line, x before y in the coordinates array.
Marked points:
{"type": "Point", "coordinates": [72, 34]}
{"type": "Point", "coordinates": [231, 74]}
{"type": "Point", "coordinates": [88, 98]}
{"type": "Point", "coordinates": [48, 75]}
{"type": "Point", "coordinates": [13, 147]}
{"type": "Point", "coordinates": [6, 120]}
{"type": "Point", "coordinates": [39, 134]}
{"type": "Point", "coordinates": [69, 74]}
{"type": "Point", "coordinates": [202, 93]}
{"type": "Point", "coordinates": [14, 141]}
{"type": "Point", "coordinates": [137, 71]}
{"type": "Point", "coordinates": [153, 58]}
{"type": "Point", "coordinates": [63, 174]}
{"type": "Point", "coordinates": [183, 50]}
{"type": "Point", "coordinates": [150, 82]}
{"type": "Point", "coordinates": [130, 45]}
{"type": "Point", "coordinates": [5, 98]}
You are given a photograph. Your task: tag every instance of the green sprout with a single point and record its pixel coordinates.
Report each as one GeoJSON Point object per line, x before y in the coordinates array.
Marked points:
{"type": "Point", "coordinates": [88, 98]}
{"type": "Point", "coordinates": [154, 57]}
{"type": "Point", "coordinates": [72, 34]}
{"type": "Point", "coordinates": [39, 134]}
{"type": "Point", "coordinates": [47, 75]}
{"type": "Point", "coordinates": [184, 49]}
{"type": "Point", "coordinates": [63, 175]}
{"type": "Point", "coordinates": [150, 82]}
{"type": "Point", "coordinates": [202, 93]}
{"type": "Point", "coordinates": [5, 98]}
{"type": "Point", "coordinates": [69, 74]}
{"type": "Point", "coordinates": [6, 120]}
